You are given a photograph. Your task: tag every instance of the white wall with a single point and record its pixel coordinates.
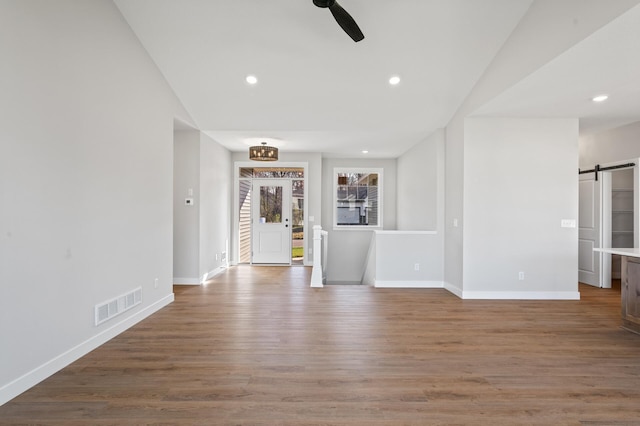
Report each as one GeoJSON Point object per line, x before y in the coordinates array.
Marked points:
{"type": "Point", "coordinates": [186, 219]}
{"type": "Point", "coordinates": [526, 50]}
{"type": "Point", "coordinates": [201, 230]}
{"type": "Point", "coordinates": [347, 250]}
{"type": "Point", "coordinates": [215, 205]}
{"type": "Point", "coordinates": [520, 181]}
{"type": "Point", "coordinates": [420, 192]}
{"type": "Point", "coordinates": [620, 144]}
{"type": "Point", "coordinates": [86, 165]}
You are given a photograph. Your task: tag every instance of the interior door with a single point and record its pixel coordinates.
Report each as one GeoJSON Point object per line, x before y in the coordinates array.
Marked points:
{"type": "Point", "coordinates": [590, 230]}
{"type": "Point", "coordinates": [271, 221]}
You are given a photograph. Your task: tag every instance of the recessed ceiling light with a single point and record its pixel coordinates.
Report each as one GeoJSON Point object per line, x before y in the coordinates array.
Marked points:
{"type": "Point", "coordinates": [251, 79]}
{"type": "Point", "coordinates": [600, 98]}
{"type": "Point", "coordinates": [365, 151]}
{"type": "Point", "coordinates": [394, 80]}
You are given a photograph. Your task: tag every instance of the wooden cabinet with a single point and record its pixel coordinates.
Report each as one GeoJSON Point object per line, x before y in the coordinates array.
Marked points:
{"type": "Point", "coordinates": [631, 293]}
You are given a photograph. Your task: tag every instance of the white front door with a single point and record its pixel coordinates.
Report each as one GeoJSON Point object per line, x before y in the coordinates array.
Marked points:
{"type": "Point", "coordinates": [271, 221]}
{"type": "Point", "coordinates": [590, 230]}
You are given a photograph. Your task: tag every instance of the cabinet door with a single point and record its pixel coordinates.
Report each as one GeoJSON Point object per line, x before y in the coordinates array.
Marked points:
{"type": "Point", "coordinates": [631, 293]}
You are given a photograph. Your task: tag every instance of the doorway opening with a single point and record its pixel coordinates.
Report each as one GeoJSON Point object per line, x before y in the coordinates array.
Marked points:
{"type": "Point", "coordinates": [619, 219]}
{"type": "Point", "coordinates": [609, 214]}
{"type": "Point", "coordinates": [271, 226]}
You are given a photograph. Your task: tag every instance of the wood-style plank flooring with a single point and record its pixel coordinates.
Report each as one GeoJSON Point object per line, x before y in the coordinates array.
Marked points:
{"type": "Point", "coordinates": [258, 346]}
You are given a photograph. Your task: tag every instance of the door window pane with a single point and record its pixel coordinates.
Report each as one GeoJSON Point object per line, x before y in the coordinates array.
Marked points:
{"type": "Point", "coordinates": [270, 204]}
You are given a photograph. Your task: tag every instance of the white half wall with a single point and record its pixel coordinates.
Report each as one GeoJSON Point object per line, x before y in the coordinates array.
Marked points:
{"type": "Point", "coordinates": [408, 259]}
{"type": "Point", "coordinates": [520, 182]}
{"type": "Point", "coordinates": [86, 166]}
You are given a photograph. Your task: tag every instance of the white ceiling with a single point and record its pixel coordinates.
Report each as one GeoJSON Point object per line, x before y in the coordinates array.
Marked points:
{"type": "Point", "coordinates": [606, 62]}
{"type": "Point", "coordinates": [319, 91]}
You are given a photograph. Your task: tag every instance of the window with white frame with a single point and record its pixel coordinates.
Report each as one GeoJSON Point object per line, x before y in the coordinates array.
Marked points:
{"type": "Point", "coordinates": [357, 198]}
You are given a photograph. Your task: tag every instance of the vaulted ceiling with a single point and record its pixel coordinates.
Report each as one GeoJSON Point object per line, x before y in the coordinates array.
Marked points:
{"type": "Point", "coordinates": [319, 91]}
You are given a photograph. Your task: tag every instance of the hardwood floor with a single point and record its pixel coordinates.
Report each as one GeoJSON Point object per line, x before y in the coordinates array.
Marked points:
{"type": "Point", "coordinates": [258, 346]}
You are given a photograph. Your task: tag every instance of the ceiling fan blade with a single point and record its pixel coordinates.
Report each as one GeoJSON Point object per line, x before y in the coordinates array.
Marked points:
{"type": "Point", "coordinates": [345, 21]}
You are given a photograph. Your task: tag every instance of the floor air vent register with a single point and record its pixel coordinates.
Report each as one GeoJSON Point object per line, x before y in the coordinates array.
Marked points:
{"type": "Point", "coordinates": [114, 307]}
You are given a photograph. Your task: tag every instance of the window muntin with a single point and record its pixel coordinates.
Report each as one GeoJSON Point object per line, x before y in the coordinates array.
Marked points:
{"type": "Point", "coordinates": [357, 198]}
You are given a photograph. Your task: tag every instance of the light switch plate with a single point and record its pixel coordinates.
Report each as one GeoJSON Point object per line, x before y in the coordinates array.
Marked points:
{"type": "Point", "coordinates": [568, 223]}
{"type": "Point", "coordinates": [188, 201]}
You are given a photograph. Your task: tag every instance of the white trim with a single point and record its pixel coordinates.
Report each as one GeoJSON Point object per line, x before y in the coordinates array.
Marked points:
{"type": "Point", "coordinates": [510, 295]}
{"type": "Point", "coordinates": [38, 374]}
{"type": "Point", "coordinates": [379, 231]}
{"type": "Point", "coordinates": [453, 289]}
{"type": "Point", "coordinates": [186, 281]}
{"type": "Point", "coordinates": [380, 172]}
{"type": "Point", "coordinates": [521, 295]}
{"type": "Point", "coordinates": [408, 284]}
{"type": "Point", "coordinates": [233, 258]}
{"type": "Point", "coordinates": [357, 228]}
{"type": "Point", "coordinates": [213, 273]}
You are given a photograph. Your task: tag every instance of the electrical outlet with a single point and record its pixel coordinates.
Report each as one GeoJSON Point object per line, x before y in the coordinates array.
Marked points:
{"type": "Point", "coordinates": [155, 283]}
{"type": "Point", "coordinates": [521, 276]}
{"type": "Point", "coordinates": [310, 251]}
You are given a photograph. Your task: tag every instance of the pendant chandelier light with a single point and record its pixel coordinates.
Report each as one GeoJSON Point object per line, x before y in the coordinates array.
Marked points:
{"type": "Point", "coordinates": [263, 153]}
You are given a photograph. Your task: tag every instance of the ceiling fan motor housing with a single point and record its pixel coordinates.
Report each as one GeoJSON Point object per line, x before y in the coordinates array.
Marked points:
{"type": "Point", "coordinates": [324, 3]}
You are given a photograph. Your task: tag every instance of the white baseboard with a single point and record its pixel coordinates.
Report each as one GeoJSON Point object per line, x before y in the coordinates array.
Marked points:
{"type": "Point", "coordinates": [408, 284]}
{"type": "Point", "coordinates": [213, 273]}
{"type": "Point", "coordinates": [186, 281]}
{"type": "Point", "coordinates": [38, 374]}
{"type": "Point", "coordinates": [522, 295]}
{"type": "Point", "coordinates": [453, 289]}
{"type": "Point", "coordinates": [512, 295]}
